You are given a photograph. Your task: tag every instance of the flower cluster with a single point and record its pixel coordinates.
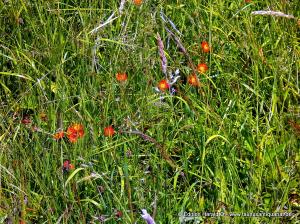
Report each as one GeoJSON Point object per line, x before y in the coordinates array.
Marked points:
{"type": "Point", "coordinates": [74, 132]}
{"type": "Point", "coordinates": [202, 68]}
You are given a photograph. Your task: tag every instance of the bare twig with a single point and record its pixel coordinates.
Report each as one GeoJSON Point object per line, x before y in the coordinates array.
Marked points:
{"type": "Point", "coordinates": [167, 20]}
{"type": "Point", "coordinates": [109, 20]}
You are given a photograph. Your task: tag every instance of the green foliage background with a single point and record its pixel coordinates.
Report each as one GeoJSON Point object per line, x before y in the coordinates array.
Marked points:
{"type": "Point", "coordinates": [230, 139]}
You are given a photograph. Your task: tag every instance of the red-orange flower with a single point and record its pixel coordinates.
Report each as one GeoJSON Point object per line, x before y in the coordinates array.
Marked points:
{"type": "Point", "coordinates": [202, 68]}
{"type": "Point", "coordinates": [71, 166]}
{"type": "Point", "coordinates": [205, 47]}
{"type": "Point", "coordinates": [121, 77]}
{"type": "Point", "coordinates": [67, 166]}
{"type": "Point", "coordinates": [79, 129]}
{"type": "Point", "coordinates": [163, 85]}
{"type": "Point", "coordinates": [74, 132]}
{"type": "Point", "coordinates": [26, 119]}
{"type": "Point", "coordinates": [109, 131]}
{"type": "Point", "coordinates": [72, 136]}
{"type": "Point", "coordinates": [137, 2]}
{"type": "Point", "coordinates": [193, 80]}
{"type": "Point", "coordinates": [58, 135]}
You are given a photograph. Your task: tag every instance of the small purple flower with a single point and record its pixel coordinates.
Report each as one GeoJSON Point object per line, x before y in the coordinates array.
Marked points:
{"type": "Point", "coordinates": [173, 91]}
{"type": "Point", "coordinates": [101, 218]}
{"type": "Point", "coordinates": [147, 217]}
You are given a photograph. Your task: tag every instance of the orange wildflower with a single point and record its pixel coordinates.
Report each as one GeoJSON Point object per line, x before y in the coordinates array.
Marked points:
{"type": "Point", "coordinates": [121, 77]}
{"type": "Point", "coordinates": [79, 129]}
{"type": "Point", "coordinates": [71, 166]}
{"type": "Point", "coordinates": [163, 85]}
{"type": "Point", "coordinates": [58, 135]}
{"type": "Point", "coordinates": [137, 2]}
{"type": "Point", "coordinates": [193, 80]}
{"type": "Point", "coordinates": [109, 131]}
{"type": "Point", "coordinates": [205, 47]}
{"type": "Point", "coordinates": [202, 68]}
{"type": "Point", "coordinates": [74, 132]}
{"type": "Point", "coordinates": [72, 136]}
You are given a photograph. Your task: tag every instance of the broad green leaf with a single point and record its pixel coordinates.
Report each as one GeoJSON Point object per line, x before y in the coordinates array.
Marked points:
{"type": "Point", "coordinates": [72, 175]}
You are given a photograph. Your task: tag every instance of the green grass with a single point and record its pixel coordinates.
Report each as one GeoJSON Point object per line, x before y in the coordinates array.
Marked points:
{"type": "Point", "coordinates": [227, 146]}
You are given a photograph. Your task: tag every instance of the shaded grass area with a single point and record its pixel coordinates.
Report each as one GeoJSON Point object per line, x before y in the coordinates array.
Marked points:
{"type": "Point", "coordinates": [234, 141]}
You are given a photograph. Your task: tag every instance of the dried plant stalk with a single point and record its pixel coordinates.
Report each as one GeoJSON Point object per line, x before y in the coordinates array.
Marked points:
{"type": "Point", "coordinates": [162, 54]}
{"type": "Point", "coordinates": [272, 13]}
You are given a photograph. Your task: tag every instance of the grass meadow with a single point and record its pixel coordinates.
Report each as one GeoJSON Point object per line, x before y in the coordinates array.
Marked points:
{"type": "Point", "coordinates": [110, 107]}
